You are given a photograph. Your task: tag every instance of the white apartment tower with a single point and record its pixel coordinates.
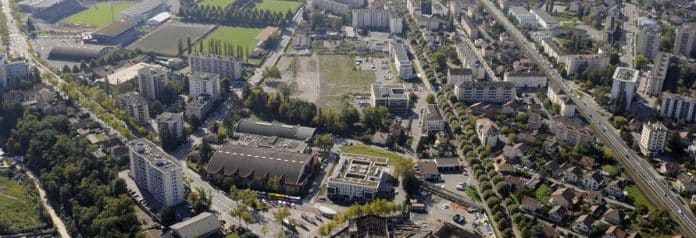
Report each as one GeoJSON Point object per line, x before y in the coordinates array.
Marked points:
{"type": "Point", "coordinates": [647, 37]}
{"type": "Point", "coordinates": [653, 138]}
{"type": "Point", "coordinates": [204, 84]}
{"type": "Point", "coordinates": [226, 66]}
{"type": "Point", "coordinates": [624, 83]}
{"type": "Point", "coordinates": [151, 81]}
{"type": "Point", "coordinates": [156, 172]}
{"type": "Point", "coordinates": [678, 107]}
{"type": "Point", "coordinates": [653, 83]}
{"type": "Point", "coordinates": [135, 105]}
{"type": "Point", "coordinates": [684, 40]}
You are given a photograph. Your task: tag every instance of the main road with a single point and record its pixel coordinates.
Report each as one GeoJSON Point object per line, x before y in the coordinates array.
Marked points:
{"type": "Point", "coordinates": [640, 170]}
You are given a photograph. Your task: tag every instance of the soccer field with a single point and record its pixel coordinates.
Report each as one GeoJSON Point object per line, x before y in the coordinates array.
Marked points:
{"type": "Point", "coordinates": [100, 14]}
{"type": "Point", "coordinates": [165, 40]}
{"type": "Point", "coordinates": [246, 37]}
{"type": "Point", "coordinates": [279, 5]}
{"type": "Point", "coordinates": [215, 3]}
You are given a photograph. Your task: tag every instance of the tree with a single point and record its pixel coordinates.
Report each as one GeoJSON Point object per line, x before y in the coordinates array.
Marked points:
{"type": "Point", "coordinates": [188, 44]}
{"type": "Point", "coordinates": [179, 47]}
{"type": "Point", "coordinates": [281, 214]}
{"type": "Point", "coordinates": [430, 99]}
{"type": "Point", "coordinates": [273, 184]}
{"type": "Point", "coordinates": [640, 61]}
{"type": "Point", "coordinates": [167, 216]}
{"type": "Point", "coordinates": [324, 141]}
{"type": "Point", "coordinates": [206, 152]}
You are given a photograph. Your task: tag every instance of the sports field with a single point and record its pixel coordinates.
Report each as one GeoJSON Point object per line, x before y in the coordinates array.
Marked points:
{"type": "Point", "coordinates": [278, 5]}
{"type": "Point", "coordinates": [165, 40]}
{"type": "Point", "coordinates": [215, 3]}
{"type": "Point", "coordinates": [20, 207]}
{"type": "Point", "coordinates": [246, 37]}
{"type": "Point", "coordinates": [100, 14]}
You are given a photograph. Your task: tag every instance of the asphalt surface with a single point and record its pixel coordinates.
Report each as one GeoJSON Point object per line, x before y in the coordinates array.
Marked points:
{"type": "Point", "coordinates": [640, 170]}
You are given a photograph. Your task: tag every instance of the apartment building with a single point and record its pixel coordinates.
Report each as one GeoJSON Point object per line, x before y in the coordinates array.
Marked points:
{"type": "Point", "coordinates": [526, 79]}
{"type": "Point", "coordinates": [10, 70]}
{"type": "Point", "coordinates": [201, 84]}
{"type": "Point", "coordinates": [227, 67]}
{"type": "Point", "coordinates": [151, 81]}
{"type": "Point", "coordinates": [556, 96]}
{"type": "Point", "coordinates": [357, 177]}
{"type": "Point", "coordinates": [401, 61]}
{"type": "Point", "coordinates": [653, 138]}
{"type": "Point", "coordinates": [199, 107]}
{"type": "Point", "coordinates": [331, 6]}
{"type": "Point", "coordinates": [652, 84]}
{"type": "Point", "coordinates": [678, 107]}
{"type": "Point", "coordinates": [156, 172]}
{"type": "Point", "coordinates": [173, 123]}
{"type": "Point", "coordinates": [469, 27]}
{"type": "Point", "coordinates": [487, 132]}
{"type": "Point", "coordinates": [647, 37]}
{"type": "Point", "coordinates": [574, 63]}
{"type": "Point", "coordinates": [624, 84]}
{"type": "Point", "coordinates": [553, 50]}
{"type": "Point", "coordinates": [135, 105]}
{"type": "Point", "coordinates": [432, 119]}
{"type": "Point", "coordinates": [485, 91]}
{"type": "Point", "coordinates": [371, 18]}
{"type": "Point", "coordinates": [545, 20]}
{"type": "Point", "coordinates": [456, 76]}
{"type": "Point", "coordinates": [392, 96]}
{"type": "Point", "coordinates": [684, 40]}
{"type": "Point", "coordinates": [569, 131]}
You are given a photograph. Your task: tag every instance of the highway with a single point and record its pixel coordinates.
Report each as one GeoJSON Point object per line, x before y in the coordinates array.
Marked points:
{"type": "Point", "coordinates": [640, 170]}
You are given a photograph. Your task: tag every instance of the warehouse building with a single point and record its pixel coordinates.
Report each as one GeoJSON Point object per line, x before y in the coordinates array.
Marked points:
{"type": "Point", "coordinates": [117, 33]}
{"type": "Point", "coordinates": [144, 10]}
{"type": "Point", "coordinates": [253, 167]}
{"type": "Point", "coordinates": [274, 136]}
{"type": "Point", "coordinates": [79, 53]}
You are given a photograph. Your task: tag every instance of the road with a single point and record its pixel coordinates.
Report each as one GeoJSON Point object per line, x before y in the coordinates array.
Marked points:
{"type": "Point", "coordinates": [640, 170]}
{"type": "Point", "coordinates": [57, 222]}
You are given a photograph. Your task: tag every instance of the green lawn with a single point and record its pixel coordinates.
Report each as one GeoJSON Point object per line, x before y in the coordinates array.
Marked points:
{"type": "Point", "coordinates": [340, 78]}
{"type": "Point", "coordinates": [542, 193]}
{"type": "Point", "coordinates": [362, 149]}
{"type": "Point", "coordinates": [279, 5]}
{"type": "Point", "coordinates": [246, 37]}
{"type": "Point", "coordinates": [638, 197]}
{"type": "Point", "coordinates": [565, 16]}
{"type": "Point", "coordinates": [100, 14]}
{"type": "Point", "coordinates": [610, 169]}
{"type": "Point", "coordinates": [20, 208]}
{"type": "Point", "coordinates": [215, 3]}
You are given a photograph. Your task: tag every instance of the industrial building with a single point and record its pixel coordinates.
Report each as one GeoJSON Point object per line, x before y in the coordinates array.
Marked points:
{"type": "Point", "coordinates": [156, 172]}
{"type": "Point", "coordinates": [275, 136]}
{"type": "Point", "coordinates": [144, 10]}
{"type": "Point", "coordinates": [51, 10]}
{"type": "Point", "coordinates": [77, 53]}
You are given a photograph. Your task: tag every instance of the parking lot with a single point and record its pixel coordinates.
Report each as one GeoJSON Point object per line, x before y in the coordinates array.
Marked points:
{"type": "Point", "coordinates": [439, 209]}
{"type": "Point", "coordinates": [380, 66]}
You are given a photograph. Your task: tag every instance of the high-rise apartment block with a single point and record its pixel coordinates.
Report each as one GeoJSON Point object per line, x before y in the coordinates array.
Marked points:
{"type": "Point", "coordinates": [652, 85]}
{"type": "Point", "coordinates": [647, 37]}
{"type": "Point", "coordinates": [135, 105]}
{"type": "Point", "coordinates": [156, 172]}
{"type": "Point", "coordinates": [684, 39]}
{"type": "Point", "coordinates": [173, 123]}
{"type": "Point", "coordinates": [678, 107]}
{"type": "Point", "coordinates": [227, 67]}
{"type": "Point", "coordinates": [653, 138]}
{"type": "Point", "coordinates": [624, 84]}
{"type": "Point", "coordinates": [202, 84]}
{"type": "Point", "coordinates": [151, 81]}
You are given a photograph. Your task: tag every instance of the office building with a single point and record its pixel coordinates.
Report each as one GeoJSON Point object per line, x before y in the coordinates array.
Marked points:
{"type": "Point", "coordinates": [575, 63]}
{"type": "Point", "coordinates": [647, 37]}
{"type": "Point", "coordinates": [254, 166]}
{"type": "Point", "coordinates": [569, 131]}
{"type": "Point", "coordinates": [227, 67]}
{"type": "Point", "coordinates": [523, 17]}
{"type": "Point", "coordinates": [357, 177]}
{"type": "Point", "coordinates": [11, 70]}
{"type": "Point", "coordinates": [135, 105]}
{"type": "Point", "coordinates": [487, 132]}
{"type": "Point", "coordinates": [401, 61]}
{"type": "Point", "coordinates": [119, 33]}
{"type": "Point", "coordinates": [51, 10]}
{"type": "Point", "coordinates": [331, 6]}
{"type": "Point", "coordinates": [652, 84]}
{"type": "Point", "coordinates": [545, 20]}
{"type": "Point", "coordinates": [624, 84]}
{"type": "Point", "coordinates": [684, 39]}
{"type": "Point", "coordinates": [678, 107]}
{"type": "Point", "coordinates": [144, 10]}
{"type": "Point", "coordinates": [653, 138]}
{"type": "Point", "coordinates": [151, 81]}
{"type": "Point", "coordinates": [156, 172]}
{"type": "Point", "coordinates": [172, 124]}
{"type": "Point", "coordinates": [485, 91]}
{"type": "Point", "coordinates": [526, 79]}
{"type": "Point", "coordinates": [432, 120]}
{"type": "Point", "coordinates": [201, 84]}
{"type": "Point", "coordinates": [392, 96]}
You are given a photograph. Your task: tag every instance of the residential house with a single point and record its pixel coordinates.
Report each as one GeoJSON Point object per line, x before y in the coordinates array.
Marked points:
{"type": "Point", "coordinates": [563, 197]}
{"type": "Point", "coordinates": [550, 231]}
{"type": "Point", "coordinates": [685, 183]}
{"type": "Point", "coordinates": [669, 168]}
{"type": "Point", "coordinates": [572, 174]}
{"type": "Point", "coordinates": [587, 162]}
{"type": "Point", "coordinates": [558, 214]}
{"type": "Point", "coordinates": [614, 216]}
{"type": "Point", "coordinates": [427, 169]}
{"type": "Point", "coordinates": [614, 232]}
{"type": "Point", "coordinates": [553, 168]}
{"type": "Point", "coordinates": [530, 204]}
{"type": "Point", "coordinates": [550, 146]}
{"type": "Point", "coordinates": [593, 198]}
{"type": "Point", "coordinates": [592, 180]}
{"type": "Point", "coordinates": [533, 121]}
{"type": "Point", "coordinates": [583, 224]}
{"type": "Point", "coordinates": [614, 188]}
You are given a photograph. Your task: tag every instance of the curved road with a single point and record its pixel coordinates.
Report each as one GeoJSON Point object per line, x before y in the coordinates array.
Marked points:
{"type": "Point", "coordinates": [641, 171]}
